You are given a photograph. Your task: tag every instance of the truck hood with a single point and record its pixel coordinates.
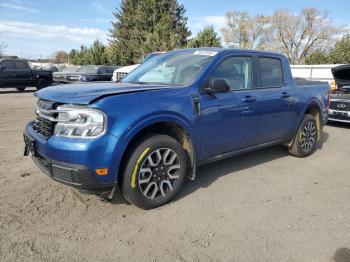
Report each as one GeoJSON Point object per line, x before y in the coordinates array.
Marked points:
{"type": "Point", "coordinates": [341, 75]}
{"type": "Point", "coordinates": [84, 94]}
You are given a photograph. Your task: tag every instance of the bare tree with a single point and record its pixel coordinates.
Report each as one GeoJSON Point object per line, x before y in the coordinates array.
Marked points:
{"type": "Point", "coordinates": [300, 34]}
{"type": "Point", "coordinates": [245, 31]}
{"type": "Point", "coordinates": [61, 57]}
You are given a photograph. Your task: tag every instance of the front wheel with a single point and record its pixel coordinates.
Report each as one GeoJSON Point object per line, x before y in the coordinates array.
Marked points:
{"type": "Point", "coordinates": [154, 172]}
{"type": "Point", "coordinates": [41, 83]}
{"type": "Point", "coordinates": [21, 89]}
{"type": "Point", "coordinates": [305, 141]}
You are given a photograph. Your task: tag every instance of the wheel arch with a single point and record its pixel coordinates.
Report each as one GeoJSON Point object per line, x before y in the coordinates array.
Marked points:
{"type": "Point", "coordinates": [42, 77]}
{"type": "Point", "coordinates": [314, 108]}
{"type": "Point", "coordinates": [171, 126]}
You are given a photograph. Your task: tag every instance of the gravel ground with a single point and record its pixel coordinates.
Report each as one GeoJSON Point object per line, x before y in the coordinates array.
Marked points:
{"type": "Point", "coordinates": [262, 206]}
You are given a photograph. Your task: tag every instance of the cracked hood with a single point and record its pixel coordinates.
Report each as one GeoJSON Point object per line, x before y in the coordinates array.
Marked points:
{"type": "Point", "coordinates": [82, 93]}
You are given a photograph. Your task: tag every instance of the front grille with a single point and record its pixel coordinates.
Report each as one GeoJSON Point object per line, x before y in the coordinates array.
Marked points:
{"type": "Point", "coordinates": [43, 127]}
{"type": "Point", "coordinates": [42, 124]}
{"type": "Point", "coordinates": [340, 106]}
{"type": "Point", "coordinates": [59, 78]}
{"type": "Point", "coordinates": [340, 116]}
{"type": "Point", "coordinates": [73, 78]}
{"type": "Point", "coordinates": [120, 76]}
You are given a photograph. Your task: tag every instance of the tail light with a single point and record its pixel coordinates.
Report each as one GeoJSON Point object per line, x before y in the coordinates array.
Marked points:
{"type": "Point", "coordinates": [333, 86]}
{"type": "Point", "coordinates": [329, 99]}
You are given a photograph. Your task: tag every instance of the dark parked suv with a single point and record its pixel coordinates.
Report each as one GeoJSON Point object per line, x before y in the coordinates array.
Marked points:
{"type": "Point", "coordinates": [86, 73]}
{"type": "Point", "coordinates": [339, 110]}
{"type": "Point", "coordinates": [17, 73]}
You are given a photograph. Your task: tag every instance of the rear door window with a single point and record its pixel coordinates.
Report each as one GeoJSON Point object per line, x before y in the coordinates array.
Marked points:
{"type": "Point", "coordinates": [20, 65]}
{"type": "Point", "coordinates": [109, 70]}
{"type": "Point", "coordinates": [101, 70]}
{"type": "Point", "coordinates": [271, 72]}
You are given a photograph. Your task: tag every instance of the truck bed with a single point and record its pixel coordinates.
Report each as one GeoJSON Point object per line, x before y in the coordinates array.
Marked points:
{"type": "Point", "coordinates": [304, 82]}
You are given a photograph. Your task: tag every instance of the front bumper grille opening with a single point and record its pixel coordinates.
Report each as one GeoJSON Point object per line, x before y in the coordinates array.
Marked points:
{"type": "Point", "coordinates": [340, 106]}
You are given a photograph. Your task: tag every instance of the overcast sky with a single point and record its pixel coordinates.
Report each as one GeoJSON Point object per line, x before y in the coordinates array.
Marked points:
{"type": "Point", "coordinates": [41, 27]}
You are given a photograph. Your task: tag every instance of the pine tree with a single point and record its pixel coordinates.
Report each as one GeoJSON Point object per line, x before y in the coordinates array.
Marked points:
{"type": "Point", "coordinates": [144, 26]}
{"type": "Point", "coordinates": [317, 58]}
{"type": "Point", "coordinates": [95, 55]}
{"type": "Point", "coordinates": [79, 57]}
{"type": "Point", "coordinates": [206, 38]}
{"type": "Point", "coordinates": [340, 53]}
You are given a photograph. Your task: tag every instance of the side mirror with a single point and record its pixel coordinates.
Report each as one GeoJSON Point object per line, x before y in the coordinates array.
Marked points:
{"type": "Point", "coordinates": [216, 85]}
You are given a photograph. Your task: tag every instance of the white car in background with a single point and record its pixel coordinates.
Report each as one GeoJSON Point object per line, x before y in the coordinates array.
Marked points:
{"type": "Point", "coordinates": [122, 72]}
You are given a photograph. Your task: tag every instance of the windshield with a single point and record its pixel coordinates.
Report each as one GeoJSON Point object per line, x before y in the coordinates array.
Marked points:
{"type": "Point", "coordinates": [178, 68]}
{"type": "Point", "coordinates": [70, 69]}
{"type": "Point", "coordinates": [88, 69]}
{"type": "Point", "coordinates": [151, 56]}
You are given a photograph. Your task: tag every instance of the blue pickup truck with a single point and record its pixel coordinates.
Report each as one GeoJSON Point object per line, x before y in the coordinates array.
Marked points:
{"type": "Point", "coordinates": [173, 113]}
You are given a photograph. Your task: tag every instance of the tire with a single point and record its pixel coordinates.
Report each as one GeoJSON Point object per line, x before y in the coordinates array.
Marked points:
{"type": "Point", "coordinates": [305, 140]}
{"type": "Point", "coordinates": [21, 89]}
{"type": "Point", "coordinates": [155, 172]}
{"type": "Point", "coordinates": [41, 83]}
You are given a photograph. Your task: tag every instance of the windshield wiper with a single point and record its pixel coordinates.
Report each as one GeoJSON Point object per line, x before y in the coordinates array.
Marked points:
{"type": "Point", "coordinates": [137, 83]}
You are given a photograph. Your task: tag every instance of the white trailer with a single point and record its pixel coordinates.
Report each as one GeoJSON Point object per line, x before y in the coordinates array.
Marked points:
{"type": "Point", "coordinates": [315, 73]}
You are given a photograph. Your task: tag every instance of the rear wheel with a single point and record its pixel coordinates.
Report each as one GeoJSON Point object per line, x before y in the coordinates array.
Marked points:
{"type": "Point", "coordinates": [41, 83]}
{"type": "Point", "coordinates": [155, 172]}
{"type": "Point", "coordinates": [305, 141]}
{"type": "Point", "coordinates": [21, 89]}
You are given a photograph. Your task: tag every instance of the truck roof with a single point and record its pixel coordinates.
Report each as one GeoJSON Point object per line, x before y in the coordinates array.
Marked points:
{"type": "Point", "coordinates": [12, 59]}
{"type": "Point", "coordinates": [230, 50]}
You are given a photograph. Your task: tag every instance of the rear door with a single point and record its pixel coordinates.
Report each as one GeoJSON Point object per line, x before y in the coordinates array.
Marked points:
{"type": "Point", "coordinates": [278, 115]}
{"type": "Point", "coordinates": [102, 74]}
{"type": "Point", "coordinates": [230, 121]}
{"type": "Point", "coordinates": [23, 73]}
{"type": "Point", "coordinates": [109, 73]}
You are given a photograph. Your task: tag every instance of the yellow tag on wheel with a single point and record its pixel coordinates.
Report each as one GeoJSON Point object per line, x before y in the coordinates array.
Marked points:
{"type": "Point", "coordinates": [133, 176]}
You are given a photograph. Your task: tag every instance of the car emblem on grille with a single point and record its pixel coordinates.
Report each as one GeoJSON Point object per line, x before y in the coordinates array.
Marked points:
{"type": "Point", "coordinates": [341, 105]}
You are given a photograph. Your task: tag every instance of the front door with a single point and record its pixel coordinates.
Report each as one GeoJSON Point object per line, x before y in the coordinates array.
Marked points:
{"type": "Point", "coordinates": [230, 121]}
{"type": "Point", "coordinates": [23, 74]}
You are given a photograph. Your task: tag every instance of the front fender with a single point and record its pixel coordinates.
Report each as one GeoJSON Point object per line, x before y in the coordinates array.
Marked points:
{"type": "Point", "coordinates": [151, 119]}
{"type": "Point", "coordinates": [138, 125]}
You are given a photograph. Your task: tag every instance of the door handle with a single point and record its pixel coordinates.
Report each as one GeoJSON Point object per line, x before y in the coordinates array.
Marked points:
{"type": "Point", "coordinates": [285, 95]}
{"type": "Point", "coordinates": [249, 99]}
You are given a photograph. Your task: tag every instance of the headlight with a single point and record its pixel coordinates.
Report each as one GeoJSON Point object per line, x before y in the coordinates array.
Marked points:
{"type": "Point", "coordinates": [79, 122]}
